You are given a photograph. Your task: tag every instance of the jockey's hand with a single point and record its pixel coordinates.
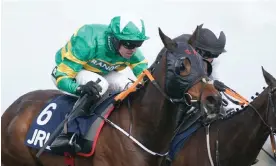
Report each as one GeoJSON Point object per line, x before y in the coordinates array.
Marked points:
{"type": "Point", "coordinates": [91, 88]}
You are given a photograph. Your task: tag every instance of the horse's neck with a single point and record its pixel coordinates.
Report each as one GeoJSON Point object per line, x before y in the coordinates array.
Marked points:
{"type": "Point", "coordinates": [153, 116]}
{"type": "Point", "coordinates": [245, 133]}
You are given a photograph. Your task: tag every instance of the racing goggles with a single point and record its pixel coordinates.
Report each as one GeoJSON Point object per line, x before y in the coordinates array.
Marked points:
{"type": "Point", "coordinates": [131, 44]}
{"type": "Point", "coordinates": [206, 54]}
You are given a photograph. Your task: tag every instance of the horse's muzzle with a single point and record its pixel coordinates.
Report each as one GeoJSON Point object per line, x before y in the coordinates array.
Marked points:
{"type": "Point", "coordinates": [213, 103]}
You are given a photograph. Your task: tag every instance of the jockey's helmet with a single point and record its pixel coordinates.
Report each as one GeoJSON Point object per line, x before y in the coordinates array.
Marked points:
{"type": "Point", "coordinates": [207, 44]}
{"type": "Point", "coordinates": [127, 31]}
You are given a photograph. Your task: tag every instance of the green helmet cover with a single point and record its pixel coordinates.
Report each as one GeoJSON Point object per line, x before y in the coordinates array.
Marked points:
{"type": "Point", "coordinates": [127, 29]}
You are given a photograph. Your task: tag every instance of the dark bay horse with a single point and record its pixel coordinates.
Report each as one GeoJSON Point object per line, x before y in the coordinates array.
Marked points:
{"type": "Point", "coordinates": [178, 75]}
{"type": "Point", "coordinates": [236, 140]}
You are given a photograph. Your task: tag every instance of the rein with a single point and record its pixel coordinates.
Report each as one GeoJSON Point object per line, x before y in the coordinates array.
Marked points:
{"type": "Point", "coordinates": [147, 74]}
{"type": "Point", "coordinates": [271, 129]}
{"type": "Point", "coordinates": [120, 97]}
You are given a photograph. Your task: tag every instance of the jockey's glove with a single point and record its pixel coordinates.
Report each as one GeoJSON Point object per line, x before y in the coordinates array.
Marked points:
{"type": "Point", "coordinates": [91, 88]}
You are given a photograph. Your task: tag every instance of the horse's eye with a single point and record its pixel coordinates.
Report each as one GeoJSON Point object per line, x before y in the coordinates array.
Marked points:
{"type": "Point", "coordinates": [180, 68]}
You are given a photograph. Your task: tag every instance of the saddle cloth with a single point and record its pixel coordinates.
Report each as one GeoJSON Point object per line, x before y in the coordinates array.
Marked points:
{"type": "Point", "coordinates": [55, 111]}
{"type": "Point", "coordinates": [180, 139]}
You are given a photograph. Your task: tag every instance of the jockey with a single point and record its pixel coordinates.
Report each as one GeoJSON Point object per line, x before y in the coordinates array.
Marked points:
{"type": "Point", "coordinates": [208, 46]}
{"type": "Point", "coordinates": [89, 62]}
{"type": "Point", "coordinates": [206, 43]}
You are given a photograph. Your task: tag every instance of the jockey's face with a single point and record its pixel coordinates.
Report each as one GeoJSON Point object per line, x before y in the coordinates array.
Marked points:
{"type": "Point", "coordinates": [207, 55]}
{"type": "Point", "coordinates": [125, 52]}
{"type": "Point", "coordinates": [127, 48]}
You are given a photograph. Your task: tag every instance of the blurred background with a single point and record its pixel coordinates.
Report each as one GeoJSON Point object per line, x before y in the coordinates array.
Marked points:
{"type": "Point", "coordinates": [33, 30]}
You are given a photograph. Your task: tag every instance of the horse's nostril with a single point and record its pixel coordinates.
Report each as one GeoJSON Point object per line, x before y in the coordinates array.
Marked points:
{"type": "Point", "coordinates": [211, 99]}
{"type": "Point", "coordinates": [214, 99]}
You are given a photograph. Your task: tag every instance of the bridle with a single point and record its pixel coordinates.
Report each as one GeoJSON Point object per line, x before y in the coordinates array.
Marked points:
{"type": "Point", "coordinates": [146, 77]}
{"type": "Point", "coordinates": [187, 98]}
{"type": "Point", "coordinates": [270, 105]}
{"type": "Point", "coordinates": [272, 131]}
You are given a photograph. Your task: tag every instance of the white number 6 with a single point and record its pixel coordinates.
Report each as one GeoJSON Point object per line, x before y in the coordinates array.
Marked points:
{"type": "Point", "coordinates": [46, 112]}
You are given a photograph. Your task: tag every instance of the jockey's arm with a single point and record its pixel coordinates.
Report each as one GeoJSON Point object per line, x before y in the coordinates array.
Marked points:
{"type": "Point", "coordinates": [138, 63]}
{"type": "Point", "coordinates": [74, 56]}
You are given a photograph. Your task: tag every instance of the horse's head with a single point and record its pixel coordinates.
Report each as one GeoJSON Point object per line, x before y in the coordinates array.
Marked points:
{"type": "Point", "coordinates": [186, 79]}
{"type": "Point", "coordinates": [271, 110]}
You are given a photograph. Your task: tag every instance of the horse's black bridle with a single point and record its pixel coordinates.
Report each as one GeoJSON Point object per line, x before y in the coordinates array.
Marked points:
{"type": "Point", "coordinates": [270, 97]}
{"type": "Point", "coordinates": [272, 130]}
{"type": "Point", "coordinates": [186, 99]}
{"type": "Point", "coordinates": [271, 105]}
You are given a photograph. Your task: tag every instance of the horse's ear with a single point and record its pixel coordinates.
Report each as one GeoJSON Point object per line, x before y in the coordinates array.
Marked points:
{"type": "Point", "coordinates": [168, 42]}
{"type": "Point", "coordinates": [195, 34]}
{"type": "Point", "coordinates": [269, 79]}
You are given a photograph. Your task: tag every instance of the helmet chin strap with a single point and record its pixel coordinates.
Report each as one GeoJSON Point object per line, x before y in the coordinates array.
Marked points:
{"type": "Point", "coordinates": [113, 43]}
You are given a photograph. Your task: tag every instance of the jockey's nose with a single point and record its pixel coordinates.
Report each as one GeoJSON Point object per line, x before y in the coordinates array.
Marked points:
{"type": "Point", "coordinates": [214, 99]}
